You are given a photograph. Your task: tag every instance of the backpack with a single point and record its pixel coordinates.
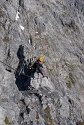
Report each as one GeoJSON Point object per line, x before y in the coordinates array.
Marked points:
{"type": "Point", "coordinates": [30, 61]}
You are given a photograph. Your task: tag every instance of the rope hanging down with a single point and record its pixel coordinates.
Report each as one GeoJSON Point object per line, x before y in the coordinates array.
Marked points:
{"type": "Point", "coordinates": [17, 71]}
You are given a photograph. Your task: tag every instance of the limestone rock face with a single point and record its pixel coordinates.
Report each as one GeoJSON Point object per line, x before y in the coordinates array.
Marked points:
{"type": "Point", "coordinates": [53, 29]}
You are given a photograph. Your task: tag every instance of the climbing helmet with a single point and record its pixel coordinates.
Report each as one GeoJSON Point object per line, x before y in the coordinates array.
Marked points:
{"type": "Point", "coordinates": [41, 59]}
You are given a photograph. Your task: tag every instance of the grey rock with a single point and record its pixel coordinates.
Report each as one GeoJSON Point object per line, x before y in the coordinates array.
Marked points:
{"type": "Point", "coordinates": [54, 30]}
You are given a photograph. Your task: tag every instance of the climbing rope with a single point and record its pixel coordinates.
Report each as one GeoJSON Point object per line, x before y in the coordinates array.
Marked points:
{"type": "Point", "coordinates": [7, 65]}
{"type": "Point", "coordinates": [18, 72]}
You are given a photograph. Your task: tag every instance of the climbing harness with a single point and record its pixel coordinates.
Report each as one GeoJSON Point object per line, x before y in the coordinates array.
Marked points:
{"type": "Point", "coordinates": [18, 72]}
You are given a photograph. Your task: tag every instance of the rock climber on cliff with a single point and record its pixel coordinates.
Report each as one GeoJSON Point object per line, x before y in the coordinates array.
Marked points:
{"type": "Point", "coordinates": [38, 66]}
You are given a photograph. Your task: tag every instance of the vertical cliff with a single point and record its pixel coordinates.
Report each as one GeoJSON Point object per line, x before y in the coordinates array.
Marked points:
{"type": "Point", "coordinates": [54, 30]}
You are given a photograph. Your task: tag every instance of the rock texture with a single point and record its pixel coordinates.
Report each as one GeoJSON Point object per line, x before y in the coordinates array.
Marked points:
{"type": "Point", "coordinates": [53, 29]}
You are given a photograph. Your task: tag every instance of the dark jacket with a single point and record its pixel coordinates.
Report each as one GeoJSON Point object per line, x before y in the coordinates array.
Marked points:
{"type": "Point", "coordinates": [37, 67]}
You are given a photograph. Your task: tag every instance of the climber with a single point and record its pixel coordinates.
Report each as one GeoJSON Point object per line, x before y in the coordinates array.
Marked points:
{"type": "Point", "coordinates": [38, 67]}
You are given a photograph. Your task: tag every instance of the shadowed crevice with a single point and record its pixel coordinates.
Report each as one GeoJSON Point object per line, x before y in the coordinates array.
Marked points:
{"type": "Point", "coordinates": [22, 74]}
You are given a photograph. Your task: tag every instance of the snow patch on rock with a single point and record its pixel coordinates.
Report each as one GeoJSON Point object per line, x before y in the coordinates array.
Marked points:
{"type": "Point", "coordinates": [22, 28]}
{"type": "Point", "coordinates": [17, 16]}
